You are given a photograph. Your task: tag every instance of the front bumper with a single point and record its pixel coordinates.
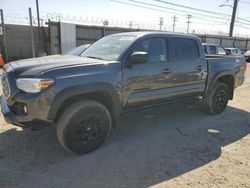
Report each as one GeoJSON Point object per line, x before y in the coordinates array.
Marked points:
{"type": "Point", "coordinates": [24, 121]}
{"type": "Point", "coordinates": [8, 115]}
{"type": "Point", "coordinates": [22, 109]}
{"type": "Point", "coordinates": [11, 117]}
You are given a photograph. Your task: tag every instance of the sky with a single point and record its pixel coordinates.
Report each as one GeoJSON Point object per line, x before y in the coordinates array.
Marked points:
{"type": "Point", "coordinates": [120, 13]}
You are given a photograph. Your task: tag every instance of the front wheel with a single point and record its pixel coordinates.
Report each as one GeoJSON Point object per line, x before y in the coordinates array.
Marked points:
{"type": "Point", "coordinates": [217, 101]}
{"type": "Point", "coordinates": [84, 126]}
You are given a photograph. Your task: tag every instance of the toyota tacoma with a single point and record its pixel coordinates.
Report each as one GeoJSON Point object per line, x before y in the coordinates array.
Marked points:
{"type": "Point", "coordinates": [84, 96]}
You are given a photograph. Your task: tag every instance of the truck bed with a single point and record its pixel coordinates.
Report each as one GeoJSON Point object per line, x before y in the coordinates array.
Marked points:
{"type": "Point", "coordinates": [234, 64]}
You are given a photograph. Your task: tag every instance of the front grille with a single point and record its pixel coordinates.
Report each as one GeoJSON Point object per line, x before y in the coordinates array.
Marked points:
{"type": "Point", "coordinates": [5, 85]}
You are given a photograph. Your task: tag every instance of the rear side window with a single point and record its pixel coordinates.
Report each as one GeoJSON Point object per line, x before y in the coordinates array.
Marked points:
{"type": "Point", "coordinates": [212, 50]}
{"type": "Point", "coordinates": [185, 49]}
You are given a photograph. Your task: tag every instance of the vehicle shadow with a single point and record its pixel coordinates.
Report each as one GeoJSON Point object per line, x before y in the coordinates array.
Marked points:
{"type": "Point", "coordinates": [148, 148]}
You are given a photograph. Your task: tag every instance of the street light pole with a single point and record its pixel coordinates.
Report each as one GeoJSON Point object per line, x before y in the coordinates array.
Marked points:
{"type": "Point", "coordinates": [38, 24]}
{"type": "Point", "coordinates": [32, 34]}
{"type": "Point", "coordinates": [5, 49]}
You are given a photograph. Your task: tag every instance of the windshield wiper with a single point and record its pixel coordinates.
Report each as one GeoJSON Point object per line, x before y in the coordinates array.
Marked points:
{"type": "Point", "coordinates": [93, 57]}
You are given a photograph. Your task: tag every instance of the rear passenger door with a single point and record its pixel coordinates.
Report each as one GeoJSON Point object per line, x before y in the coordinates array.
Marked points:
{"type": "Point", "coordinates": [192, 68]}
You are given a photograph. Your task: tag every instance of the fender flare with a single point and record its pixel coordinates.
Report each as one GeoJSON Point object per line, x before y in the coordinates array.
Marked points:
{"type": "Point", "coordinates": [85, 89]}
{"type": "Point", "coordinates": [214, 80]}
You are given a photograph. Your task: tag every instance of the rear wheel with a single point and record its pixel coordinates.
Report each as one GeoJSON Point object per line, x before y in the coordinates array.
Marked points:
{"type": "Point", "coordinates": [84, 126]}
{"type": "Point", "coordinates": [217, 101]}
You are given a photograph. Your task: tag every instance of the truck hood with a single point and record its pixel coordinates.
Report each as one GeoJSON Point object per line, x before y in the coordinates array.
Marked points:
{"type": "Point", "coordinates": [35, 66]}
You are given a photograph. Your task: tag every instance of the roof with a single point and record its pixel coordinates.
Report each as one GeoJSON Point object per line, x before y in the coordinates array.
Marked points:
{"type": "Point", "coordinates": [211, 44]}
{"type": "Point", "coordinates": [146, 33]}
{"type": "Point", "coordinates": [232, 48]}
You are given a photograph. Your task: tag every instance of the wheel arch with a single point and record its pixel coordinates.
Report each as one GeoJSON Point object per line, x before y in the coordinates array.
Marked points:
{"type": "Point", "coordinates": [103, 93]}
{"type": "Point", "coordinates": [227, 78]}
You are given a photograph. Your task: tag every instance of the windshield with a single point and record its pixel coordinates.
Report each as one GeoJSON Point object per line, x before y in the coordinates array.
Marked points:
{"type": "Point", "coordinates": [109, 48]}
{"type": "Point", "coordinates": [78, 50]}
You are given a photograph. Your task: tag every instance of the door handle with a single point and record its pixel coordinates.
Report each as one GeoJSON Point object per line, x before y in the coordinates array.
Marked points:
{"type": "Point", "coordinates": [166, 71]}
{"type": "Point", "coordinates": [200, 68]}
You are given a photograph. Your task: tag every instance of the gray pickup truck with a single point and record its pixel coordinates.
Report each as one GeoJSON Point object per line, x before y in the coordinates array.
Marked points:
{"type": "Point", "coordinates": [85, 95]}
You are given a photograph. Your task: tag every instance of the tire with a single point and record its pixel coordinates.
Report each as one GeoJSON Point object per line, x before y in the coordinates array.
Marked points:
{"type": "Point", "coordinates": [218, 99]}
{"type": "Point", "coordinates": [83, 127]}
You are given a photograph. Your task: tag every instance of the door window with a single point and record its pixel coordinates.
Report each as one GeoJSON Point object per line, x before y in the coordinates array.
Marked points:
{"type": "Point", "coordinates": [156, 49]}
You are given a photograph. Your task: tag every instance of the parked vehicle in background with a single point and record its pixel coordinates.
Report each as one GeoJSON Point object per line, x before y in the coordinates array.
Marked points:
{"type": "Point", "coordinates": [214, 49]}
{"type": "Point", "coordinates": [85, 95]}
{"type": "Point", "coordinates": [233, 51]}
{"type": "Point", "coordinates": [77, 50]}
{"type": "Point", "coordinates": [247, 55]}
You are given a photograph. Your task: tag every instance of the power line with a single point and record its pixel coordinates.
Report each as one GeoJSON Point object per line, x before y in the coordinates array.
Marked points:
{"type": "Point", "coordinates": [158, 10]}
{"type": "Point", "coordinates": [242, 26]}
{"type": "Point", "coordinates": [203, 23]}
{"type": "Point", "coordinates": [187, 12]}
{"type": "Point", "coordinates": [201, 10]}
{"type": "Point", "coordinates": [164, 11]}
{"type": "Point", "coordinates": [154, 9]}
{"type": "Point", "coordinates": [246, 2]}
{"type": "Point", "coordinates": [178, 10]}
{"type": "Point", "coordinates": [184, 15]}
{"type": "Point", "coordinates": [192, 8]}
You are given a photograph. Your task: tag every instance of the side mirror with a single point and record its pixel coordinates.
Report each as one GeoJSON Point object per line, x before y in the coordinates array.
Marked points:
{"type": "Point", "coordinates": [228, 52]}
{"type": "Point", "coordinates": [137, 58]}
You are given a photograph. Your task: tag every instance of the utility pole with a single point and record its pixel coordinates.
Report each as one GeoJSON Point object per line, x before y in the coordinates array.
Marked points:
{"type": "Point", "coordinates": [161, 23]}
{"type": "Point", "coordinates": [174, 21]}
{"type": "Point", "coordinates": [4, 38]}
{"type": "Point", "coordinates": [233, 18]}
{"type": "Point", "coordinates": [32, 34]}
{"type": "Point", "coordinates": [38, 25]}
{"type": "Point", "coordinates": [188, 22]}
{"type": "Point", "coordinates": [130, 24]}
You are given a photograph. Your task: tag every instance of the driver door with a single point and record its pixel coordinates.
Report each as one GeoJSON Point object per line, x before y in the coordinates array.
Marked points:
{"type": "Point", "coordinates": [146, 83]}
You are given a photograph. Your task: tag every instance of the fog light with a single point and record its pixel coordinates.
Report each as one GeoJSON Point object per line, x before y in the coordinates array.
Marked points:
{"type": "Point", "coordinates": [25, 109]}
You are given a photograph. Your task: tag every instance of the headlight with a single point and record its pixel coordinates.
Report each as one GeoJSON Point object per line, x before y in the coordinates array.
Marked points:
{"type": "Point", "coordinates": [33, 85]}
